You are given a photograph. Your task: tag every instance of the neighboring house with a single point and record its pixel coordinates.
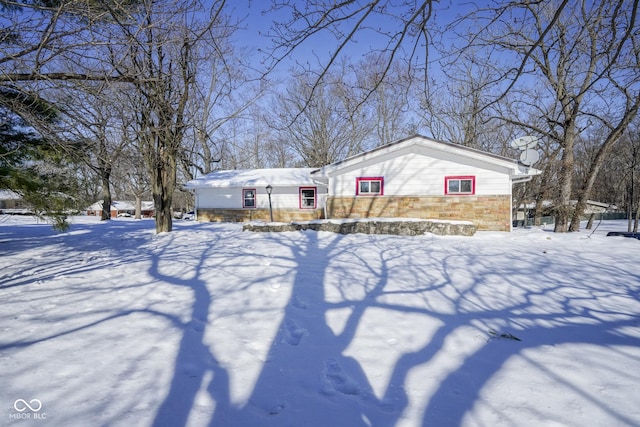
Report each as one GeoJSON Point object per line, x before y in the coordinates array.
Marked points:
{"type": "Point", "coordinates": [592, 209]}
{"type": "Point", "coordinates": [122, 208]}
{"type": "Point", "coordinates": [415, 177]}
{"type": "Point", "coordinates": [241, 195]}
{"type": "Point", "coordinates": [12, 203]}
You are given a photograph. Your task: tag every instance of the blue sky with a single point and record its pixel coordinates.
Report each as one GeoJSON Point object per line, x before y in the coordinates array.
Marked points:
{"type": "Point", "coordinates": [257, 22]}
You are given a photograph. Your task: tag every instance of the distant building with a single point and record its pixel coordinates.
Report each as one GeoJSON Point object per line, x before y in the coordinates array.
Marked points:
{"type": "Point", "coordinates": [122, 208]}
{"type": "Point", "coordinates": [12, 203]}
{"type": "Point", "coordinates": [592, 208]}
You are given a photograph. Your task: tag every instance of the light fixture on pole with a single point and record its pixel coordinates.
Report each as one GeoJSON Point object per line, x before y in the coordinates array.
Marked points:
{"type": "Point", "coordinates": [269, 190]}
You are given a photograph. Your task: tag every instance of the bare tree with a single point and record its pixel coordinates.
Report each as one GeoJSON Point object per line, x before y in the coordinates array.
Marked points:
{"type": "Point", "coordinates": [619, 178]}
{"type": "Point", "coordinates": [631, 177]}
{"type": "Point", "coordinates": [255, 144]}
{"type": "Point", "coordinates": [399, 30]}
{"type": "Point", "coordinates": [161, 44]}
{"type": "Point", "coordinates": [321, 123]}
{"type": "Point", "coordinates": [131, 178]}
{"type": "Point", "coordinates": [220, 106]}
{"type": "Point", "coordinates": [578, 64]}
{"type": "Point", "coordinates": [94, 113]}
{"type": "Point", "coordinates": [389, 105]}
{"type": "Point", "coordinates": [148, 50]}
{"type": "Point", "coordinates": [458, 108]}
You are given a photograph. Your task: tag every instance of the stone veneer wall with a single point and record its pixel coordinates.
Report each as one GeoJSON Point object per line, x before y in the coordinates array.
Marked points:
{"type": "Point", "coordinates": [486, 212]}
{"type": "Point", "coordinates": [245, 215]}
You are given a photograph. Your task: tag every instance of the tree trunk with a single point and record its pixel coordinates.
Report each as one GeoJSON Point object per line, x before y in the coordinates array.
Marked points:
{"type": "Point", "coordinates": [578, 210]}
{"type": "Point", "coordinates": [105, 174]}
{"type": "Point", "coordinates": [590, 222]}
{"type": "Point", "coordinates": [138, 214]}
{"type": "Point", "coordinates": [164, 183]}
{"type": "Point", "coordinates": [563, 206]}
{"type": "Point", "coordinates": [164, 223]}
{"type": "Point", "coordinates": [598, 161]}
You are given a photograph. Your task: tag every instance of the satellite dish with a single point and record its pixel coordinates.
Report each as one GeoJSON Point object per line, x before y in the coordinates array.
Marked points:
{"type": "Point", "coordinates": [529, 157]}
{"type": "Point", "coordinates": [525, 142]}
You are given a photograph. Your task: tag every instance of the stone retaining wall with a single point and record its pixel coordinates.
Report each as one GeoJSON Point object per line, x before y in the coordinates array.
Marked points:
{"type": "Point", "coordinates": [371, 226]}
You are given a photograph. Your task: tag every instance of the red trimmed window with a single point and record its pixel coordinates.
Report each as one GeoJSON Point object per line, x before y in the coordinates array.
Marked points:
{"type": "Point", "coordinates": [370, 186]}
{"type": "Point", "coordinates": [248, 197]}
{"type": "Point", "coordinates": [308, 198]}
{"type": "Point", "coordinates": [460, 185]}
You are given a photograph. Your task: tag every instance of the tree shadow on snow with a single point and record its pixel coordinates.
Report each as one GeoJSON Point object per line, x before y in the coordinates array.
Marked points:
{"type": "Point", "coordinates": [310, 376]}
{"type": "Point", "coordinates": [307, 379]}
{"type": "Point", "coordinates": [194, 360]}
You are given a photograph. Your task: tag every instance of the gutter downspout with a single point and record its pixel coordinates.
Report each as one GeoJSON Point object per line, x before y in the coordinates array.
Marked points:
{"type": "Point", "coordinates": [521, 179]}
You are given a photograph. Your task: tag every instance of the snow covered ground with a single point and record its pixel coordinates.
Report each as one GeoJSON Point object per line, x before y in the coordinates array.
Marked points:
{"type": "Point", "coordinates": [109, 324]}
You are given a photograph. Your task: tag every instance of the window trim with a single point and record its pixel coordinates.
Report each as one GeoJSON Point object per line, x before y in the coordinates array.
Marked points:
{"type": "Point", "coordinates": [370, 179]}
{"type": "Point", "coordinates": [244, 198]}
{"type": "Point", "coordinates": [315, 197]}
{"type": "Point", "coordinates": [471, 178]}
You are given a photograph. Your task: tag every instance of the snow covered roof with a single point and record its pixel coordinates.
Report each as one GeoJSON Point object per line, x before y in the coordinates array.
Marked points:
{"type": "Point", "coordinates": [592, 206]}
{"type": "Point", "coordinates": [254, 178]}
{"type": "Point", "coordinates": [128, 205]}
{"type": "Point", "coordinates": [9, 195]}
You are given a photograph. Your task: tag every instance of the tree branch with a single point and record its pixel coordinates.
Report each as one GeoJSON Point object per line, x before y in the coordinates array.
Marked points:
{"type": "Point", "coordinates": [15, 77]}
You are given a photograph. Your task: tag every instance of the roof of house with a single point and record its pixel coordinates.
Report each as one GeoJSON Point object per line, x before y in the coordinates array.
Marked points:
{"type": "Point", "coordinates": [9, 195]}
{"type": "Point", "coordinates": [592, 206]}
{"type": "Point", "coordinates": [446, 147]}
{"type": "Point", "coordinates": [254, 178]}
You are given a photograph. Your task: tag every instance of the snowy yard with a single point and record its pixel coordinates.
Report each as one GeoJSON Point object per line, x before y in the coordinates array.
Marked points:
{"type": "Point", "coordinates": [109, 324]}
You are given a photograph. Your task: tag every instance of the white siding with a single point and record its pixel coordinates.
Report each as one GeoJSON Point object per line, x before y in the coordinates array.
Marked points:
{"type": "Point", "coordinates": [225, 198]}
{"type": "Point", "coordinates": [231, 198]}
{"type": "Point", "coordinates": [421, 174]}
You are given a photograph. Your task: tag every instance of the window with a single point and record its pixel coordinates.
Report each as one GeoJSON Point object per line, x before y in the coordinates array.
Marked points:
{"type": "Point", "coordinates": [307, 197]}
{"type": "Point", "coordinates": [460, 185]}
{"type": "Point", "coordinates": [370, 186]}
{"type": "Point", "coordinates": [249, 198]}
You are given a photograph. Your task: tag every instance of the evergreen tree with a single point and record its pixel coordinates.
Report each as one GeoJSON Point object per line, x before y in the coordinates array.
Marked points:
{"type": "Point", "coordinates": [32, 166]}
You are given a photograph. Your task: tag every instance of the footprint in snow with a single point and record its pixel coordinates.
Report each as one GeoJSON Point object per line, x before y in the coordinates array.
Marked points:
{"type": "Point", "coordinates": [197, 325]}
{"type": "Point", "coordinates": [338, 380]}
{"type": "Point", "coordinates": [298, 303]}
{"type": "Point", "coordinates": [293, 333]}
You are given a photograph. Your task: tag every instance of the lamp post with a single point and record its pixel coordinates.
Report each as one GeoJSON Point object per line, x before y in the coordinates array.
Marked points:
{"type": "Point", "coordinates": [269, 190]}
